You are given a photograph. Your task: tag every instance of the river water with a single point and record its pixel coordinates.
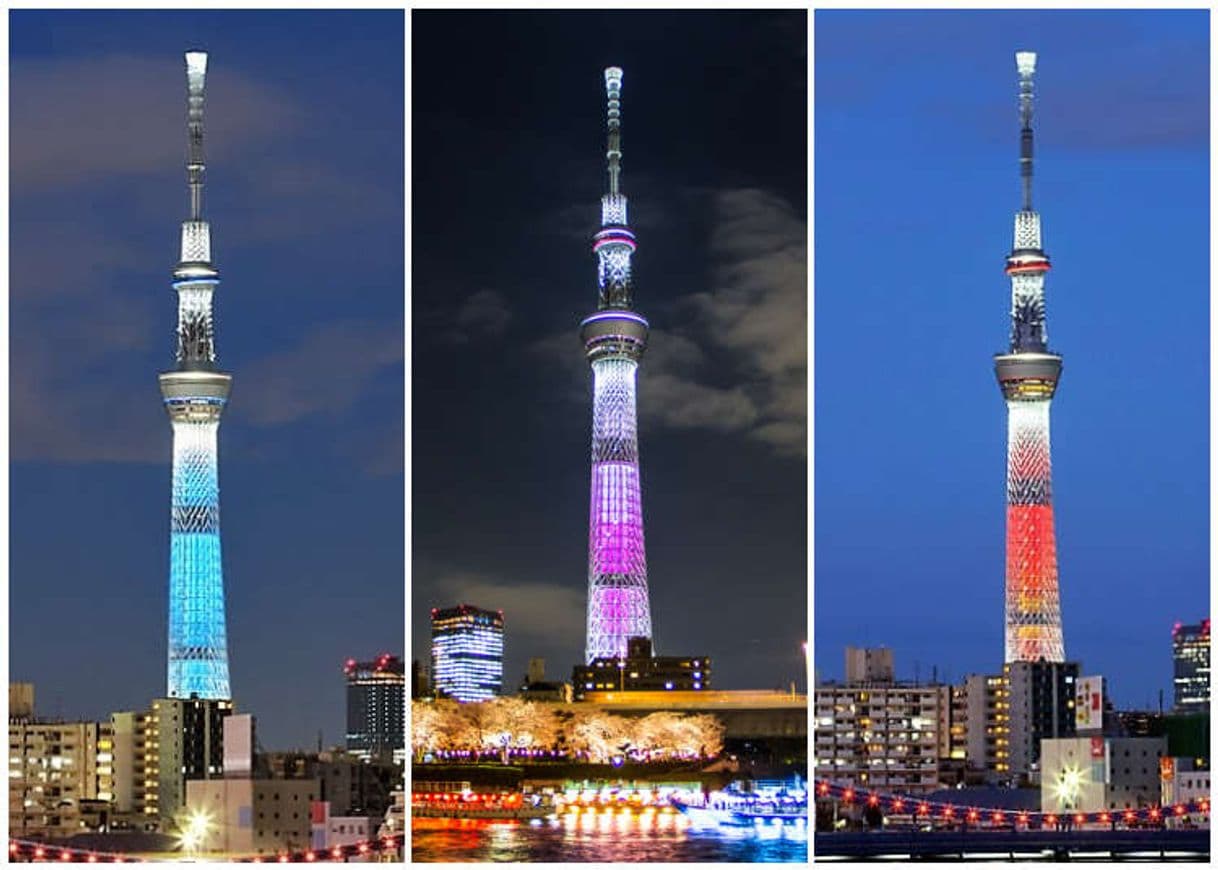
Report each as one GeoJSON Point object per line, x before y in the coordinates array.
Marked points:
{"type": "Point", "coordinates": [660, 838]}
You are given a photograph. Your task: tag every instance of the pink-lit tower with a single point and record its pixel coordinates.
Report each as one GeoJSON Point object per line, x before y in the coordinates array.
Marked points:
{"type": "Point", "coordinates": [614, 339]}
{"type": "Point", "coordinates": [1028, 375]}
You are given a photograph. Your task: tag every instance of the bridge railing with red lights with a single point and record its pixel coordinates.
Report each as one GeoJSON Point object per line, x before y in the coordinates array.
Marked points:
{"type": "Point", "coordinates": [29, 850]}
{"type": "Point", "coordinates": [942, 812]}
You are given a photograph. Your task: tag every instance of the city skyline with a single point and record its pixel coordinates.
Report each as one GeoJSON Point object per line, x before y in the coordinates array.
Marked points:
{"type": "Point", "coordinates": [720, 272]}
{"type": "Point", "coordinates": [308, 224]}
{"type": "Point", "coordinates": [908, 463]}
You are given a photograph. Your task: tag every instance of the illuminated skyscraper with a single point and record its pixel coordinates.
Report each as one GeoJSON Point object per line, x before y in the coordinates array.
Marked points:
{"type": "Point", "coordinates": [467, 652]}
{"type": "Point", "coordinates": [376, 706]}
{"type": "Point", "coordinates": [195, 394]}
{"type": "Point", "coordinates": [1028, 374]}
{"type": "Point", "coordinates": [1190, 647]}
{"type": "Point", "coordinates": [614, 339]}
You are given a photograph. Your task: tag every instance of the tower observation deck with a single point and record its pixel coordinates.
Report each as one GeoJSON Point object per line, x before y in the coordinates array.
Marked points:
{"type": "Point", "coordinates": [614, 339]}
{"type": "Point", "coordinates": [195, 393]}
{"type": "Point", "coordinates": [1028, 374]}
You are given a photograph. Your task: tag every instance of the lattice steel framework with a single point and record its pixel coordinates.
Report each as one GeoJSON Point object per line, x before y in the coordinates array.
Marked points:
{"type": "Point", "coordinates": [195, 394]}
{"type": "Point", "coordinates": [1028, 375]}
{"type": "Point", "coordinates": [614, 340]}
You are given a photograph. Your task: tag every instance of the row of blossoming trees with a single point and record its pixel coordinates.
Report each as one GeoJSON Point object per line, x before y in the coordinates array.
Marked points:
{"type": "Point", "coordinates": [503, 727]}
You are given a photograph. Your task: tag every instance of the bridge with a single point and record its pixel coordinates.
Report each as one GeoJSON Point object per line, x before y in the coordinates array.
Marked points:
{"type": "Point", "coordinates": [980, 844]}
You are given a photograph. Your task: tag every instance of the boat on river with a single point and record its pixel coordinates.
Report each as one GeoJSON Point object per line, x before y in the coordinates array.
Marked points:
{"type": "Point", "coordinates": [748, 804]}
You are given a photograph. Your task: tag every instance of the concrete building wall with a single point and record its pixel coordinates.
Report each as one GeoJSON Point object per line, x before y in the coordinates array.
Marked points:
{"type": "Point", "coordinates": [254, 816]}
{"type": "Point", "coordinates": [869, 665]}
{"type": "Point", "coordinates": [1090, 774]}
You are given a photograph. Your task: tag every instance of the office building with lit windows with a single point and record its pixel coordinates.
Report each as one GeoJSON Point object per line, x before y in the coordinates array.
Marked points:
{"type": "Point", "coordinates": [1190, 647]}
{"type": "Point", "coordinates": [466, 652]}
{"type": "Point", "coordinates": [640, 671]}
{"type": "Point", "coordinates": [376, 707]}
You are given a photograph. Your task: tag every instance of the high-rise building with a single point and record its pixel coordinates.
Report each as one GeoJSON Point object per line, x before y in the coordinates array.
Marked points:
{"type": "Point", "coordinates": [376, 707]}
{"type": "Point", "coordinates": [56, 772]}
{"type": "Point", "coordinates": [1190, 647]}
{"type": "Point", "coordinates": [156, 751]}
{"type": "Point", "coordinates": [614, 340]}
{"type": "Point", "coordinates": [640, 671]}
{"type": "Point", "coordinates": [889, 735]}
{"type": "Point", "coordinates": [987, 717]}
{"type": "Point", "coordinates": [195, 393]}
{"type": "Point", "coordinates": [1028, 375]}
{"type": "Point", "coordinates": [466, 652]}
{"type": "Point", "coordinates": [1040, 698]}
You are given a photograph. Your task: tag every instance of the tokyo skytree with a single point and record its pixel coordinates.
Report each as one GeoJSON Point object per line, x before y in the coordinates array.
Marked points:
{"type": "Point", "coordinates": [1028, 375]}
{"type": "Point", "coordinates": [195, 394]}
{"type": "Point", "coordinates": [614, 339]}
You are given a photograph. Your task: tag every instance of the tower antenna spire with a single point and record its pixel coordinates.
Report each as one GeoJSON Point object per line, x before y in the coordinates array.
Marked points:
{"type": "Point", "coordinates": [196, 75]}
{"type": "Point", "coordinates": [1026, 62]}
{"type": "Point", "coordinates": [613, 92]}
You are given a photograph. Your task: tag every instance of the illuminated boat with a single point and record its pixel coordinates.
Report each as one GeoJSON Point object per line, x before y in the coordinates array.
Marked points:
{"type": "Point", "coordinates": [748, 805]}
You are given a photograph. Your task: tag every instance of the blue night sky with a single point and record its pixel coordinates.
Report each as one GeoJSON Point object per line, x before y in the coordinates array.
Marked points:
{"type": "Point", "coordinates": [304, 192]}
{"type": "Point", "coordinates": [916, 143]}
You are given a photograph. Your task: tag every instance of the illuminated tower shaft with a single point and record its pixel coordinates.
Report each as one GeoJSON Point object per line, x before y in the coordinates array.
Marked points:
{"type": "Point", "coordinates": [195, 394]}
{"type": "Point", "coordinates": [614, 340]}
{"type": "Point", "coordinates": [1028, 375]}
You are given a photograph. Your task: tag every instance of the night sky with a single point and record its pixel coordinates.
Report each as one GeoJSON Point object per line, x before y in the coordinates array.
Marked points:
{"type": "Point", "coordinates": [916, 180]}
{"type": "Point", "coordinates": [508, 142]}
{"type": "Point", "coordinates": [304, 191]}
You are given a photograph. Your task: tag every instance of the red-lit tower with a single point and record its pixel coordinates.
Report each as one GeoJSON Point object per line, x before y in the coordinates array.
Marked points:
{"type": "Point", "coordinates": [1028, 375]}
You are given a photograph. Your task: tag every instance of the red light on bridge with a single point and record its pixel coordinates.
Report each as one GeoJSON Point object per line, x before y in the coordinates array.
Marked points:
{"type": "Point", "coordinates": [1080, 818]}
{"type": "Point", "coordinates": [1130, 815]}
{"type": "Point", "coordinates": [997, 818]}
{"type": "Point", "coordinates": [1105, 818]}
{"type": "Point", "coordinates": [973, 815]}
{"type": "Point", "coordinates": [1154, 814]}
{"type": "Point", "coordinates": [1050, 819]}
{"type": "Point", "coordinates": [822, 788]}
{"type": "Point", "coordinates": [1022, 818]}
{"type": "Point", "coordinates": [924, 809]}
{"type": "Point", "coordinates": [848, 795]}
{"type": "Point", "coordinates": [1178, 809]}
{"type": "Point", "coordinates": [873, 800]}
{"type": "Point", "coordinates": [948, 812]}
{"type": "Point", "coordinates": [897, 805]}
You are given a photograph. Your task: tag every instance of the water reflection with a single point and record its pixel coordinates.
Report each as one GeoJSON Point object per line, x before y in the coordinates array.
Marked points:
{"type": "Point", "coordinates": [606, 835]}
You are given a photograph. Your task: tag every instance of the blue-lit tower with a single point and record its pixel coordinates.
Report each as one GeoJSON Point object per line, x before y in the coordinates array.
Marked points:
{"type": "Point", "coordinates": [195, 394]}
